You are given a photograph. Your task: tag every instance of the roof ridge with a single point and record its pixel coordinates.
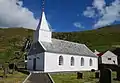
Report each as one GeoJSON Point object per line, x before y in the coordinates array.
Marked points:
{"type": "Point", "coordinates": [67, 41]}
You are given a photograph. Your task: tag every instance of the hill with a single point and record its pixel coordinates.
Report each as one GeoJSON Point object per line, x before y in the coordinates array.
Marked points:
{"type": "Point", "coordinates": [13, 35]}
{"type": "Point", "coordinates": [100, 39]}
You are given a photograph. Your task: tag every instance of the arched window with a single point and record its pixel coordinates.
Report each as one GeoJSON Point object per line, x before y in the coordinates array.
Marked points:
{"type": "Point", "coordinates": [60, 60]}
{"type": "Point", "coordinates": [82, 61]}
{"type": "Point", "coordinates": [72, 61]}
{"type": "Point", "coordinates": [90, 62]}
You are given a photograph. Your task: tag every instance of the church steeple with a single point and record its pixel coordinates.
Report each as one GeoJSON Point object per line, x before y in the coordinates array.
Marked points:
{"type": "Point", "coordinates": [43, 32]}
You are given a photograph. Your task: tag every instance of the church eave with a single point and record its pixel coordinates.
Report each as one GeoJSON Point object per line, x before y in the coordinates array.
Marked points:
{"type": "Point", "coordinates": [77, 54]}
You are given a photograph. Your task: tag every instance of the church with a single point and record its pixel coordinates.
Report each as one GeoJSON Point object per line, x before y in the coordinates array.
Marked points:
{"type": "Point", "coordinates": [53, 55]}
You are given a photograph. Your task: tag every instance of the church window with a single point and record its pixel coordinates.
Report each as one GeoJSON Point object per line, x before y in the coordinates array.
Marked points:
{"type": "Point", "coordinates": [60, 60]}
{"type": "Point", "coordinates": [90, 62]}
{"type": "Point", "coordinates": [72, 61]}
{"type": "Point", "coordinates": [82, 61]}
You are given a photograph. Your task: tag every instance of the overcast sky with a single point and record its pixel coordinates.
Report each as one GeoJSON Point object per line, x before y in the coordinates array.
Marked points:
{"type": "Point", "coordinates": [62, 15]}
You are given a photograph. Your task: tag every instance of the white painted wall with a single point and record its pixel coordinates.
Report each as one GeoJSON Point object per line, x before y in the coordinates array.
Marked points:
{"type": "Point", "coordinates": [52, 63]}
{"type": "Point", "coordinates": [45, 36]}
{"type": "Point", "coordinates": [107, 55]}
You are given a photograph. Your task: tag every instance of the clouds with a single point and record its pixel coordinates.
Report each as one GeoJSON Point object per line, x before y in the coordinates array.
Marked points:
{"type": "Point", "coordinates": [90, 12]}
{"type": "Point", "coordinates": [78, 25]}
{"type": "Point", "coordinates": [13, 14]}
{"type": "Point", "coordinates": [99, 4]}
{"type": "Point", "coordinates": [105, 14]}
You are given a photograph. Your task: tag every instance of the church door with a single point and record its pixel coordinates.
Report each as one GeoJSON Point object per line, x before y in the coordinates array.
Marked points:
{"type": "Point", "coordinates": [34, 64]}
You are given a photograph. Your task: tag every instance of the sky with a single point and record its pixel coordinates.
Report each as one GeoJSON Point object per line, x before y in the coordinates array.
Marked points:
{"type": "Point", "coordinates": [62, 15]}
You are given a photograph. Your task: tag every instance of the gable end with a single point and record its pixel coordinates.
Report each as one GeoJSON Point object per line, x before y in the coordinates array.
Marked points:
{"type": "Point", "coordinates": [36, 48]}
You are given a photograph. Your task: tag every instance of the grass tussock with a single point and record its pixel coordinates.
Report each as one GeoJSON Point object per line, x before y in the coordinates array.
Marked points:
{"type": "Point", "coordinates": [17, 77]}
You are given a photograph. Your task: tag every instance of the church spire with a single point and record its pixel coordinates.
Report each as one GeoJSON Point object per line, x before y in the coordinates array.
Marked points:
{"type": "Point", "coordinates": [43, 22]}
{"type": "Point", "coordinates": [42, 10]}
{"type": "Point", "coordinates": [43, 32]}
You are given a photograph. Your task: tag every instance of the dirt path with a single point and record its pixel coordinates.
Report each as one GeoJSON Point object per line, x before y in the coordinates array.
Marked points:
{"type": "Point", "coordinates": [39, 78]}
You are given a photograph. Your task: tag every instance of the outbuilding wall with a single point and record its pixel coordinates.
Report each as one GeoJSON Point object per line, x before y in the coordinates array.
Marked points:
{"type": "Point", "coordinates": [109, 58]}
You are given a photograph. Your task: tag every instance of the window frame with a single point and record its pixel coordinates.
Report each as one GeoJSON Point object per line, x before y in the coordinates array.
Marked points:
{"type": "Point", "coordinates": [90, 62]}
{"type": "Point", "coordinates": [82, 61]}
{"type": "Point", "coordinates": [61, 60]}
{"type": "Point", "coordinates": [72, 61]}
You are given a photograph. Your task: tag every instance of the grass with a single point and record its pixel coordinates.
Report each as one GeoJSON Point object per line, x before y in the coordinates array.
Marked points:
{"type": "Point", "coordinates": [89, 77]}
{"type": "Point", "coordinates": [17, 77]}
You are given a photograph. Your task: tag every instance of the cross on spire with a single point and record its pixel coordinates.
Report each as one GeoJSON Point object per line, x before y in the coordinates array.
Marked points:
{"type": "Point", "coordinates": [43, 5]}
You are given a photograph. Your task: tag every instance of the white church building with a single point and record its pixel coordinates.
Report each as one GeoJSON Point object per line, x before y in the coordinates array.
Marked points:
{"type": "Point", "coordinates": [53, 55]}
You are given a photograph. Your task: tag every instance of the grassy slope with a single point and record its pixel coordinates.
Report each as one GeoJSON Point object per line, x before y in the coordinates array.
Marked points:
{"type": "Point", "coordinates": [17, 77]}
{"type": "Point", "coordinates": [7, 34]}
{"type": "Point", "coordinates": [100, 39]}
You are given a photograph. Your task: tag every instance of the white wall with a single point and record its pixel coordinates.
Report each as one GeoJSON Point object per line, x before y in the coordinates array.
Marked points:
{"type": "Point", "coordinates": [52, 63]}
{"type": "Point", "coordinates": [45, 36]}
{"type": "Point", "coordinates": [107, 55]}
{"type": "Point", "coordinates": [39, 62]}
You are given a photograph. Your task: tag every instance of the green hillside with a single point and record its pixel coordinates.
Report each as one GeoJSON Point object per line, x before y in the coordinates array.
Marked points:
{"type": "Point", "coordinates": [100, 39]}
{"type": "Point", "coordinates": [16, 35]}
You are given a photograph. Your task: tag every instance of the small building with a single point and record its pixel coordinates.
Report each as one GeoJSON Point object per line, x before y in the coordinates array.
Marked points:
{"type": "Point", "coordinates": [53, 55]}
{"type": "Point", "coordinates": [107, 58]}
